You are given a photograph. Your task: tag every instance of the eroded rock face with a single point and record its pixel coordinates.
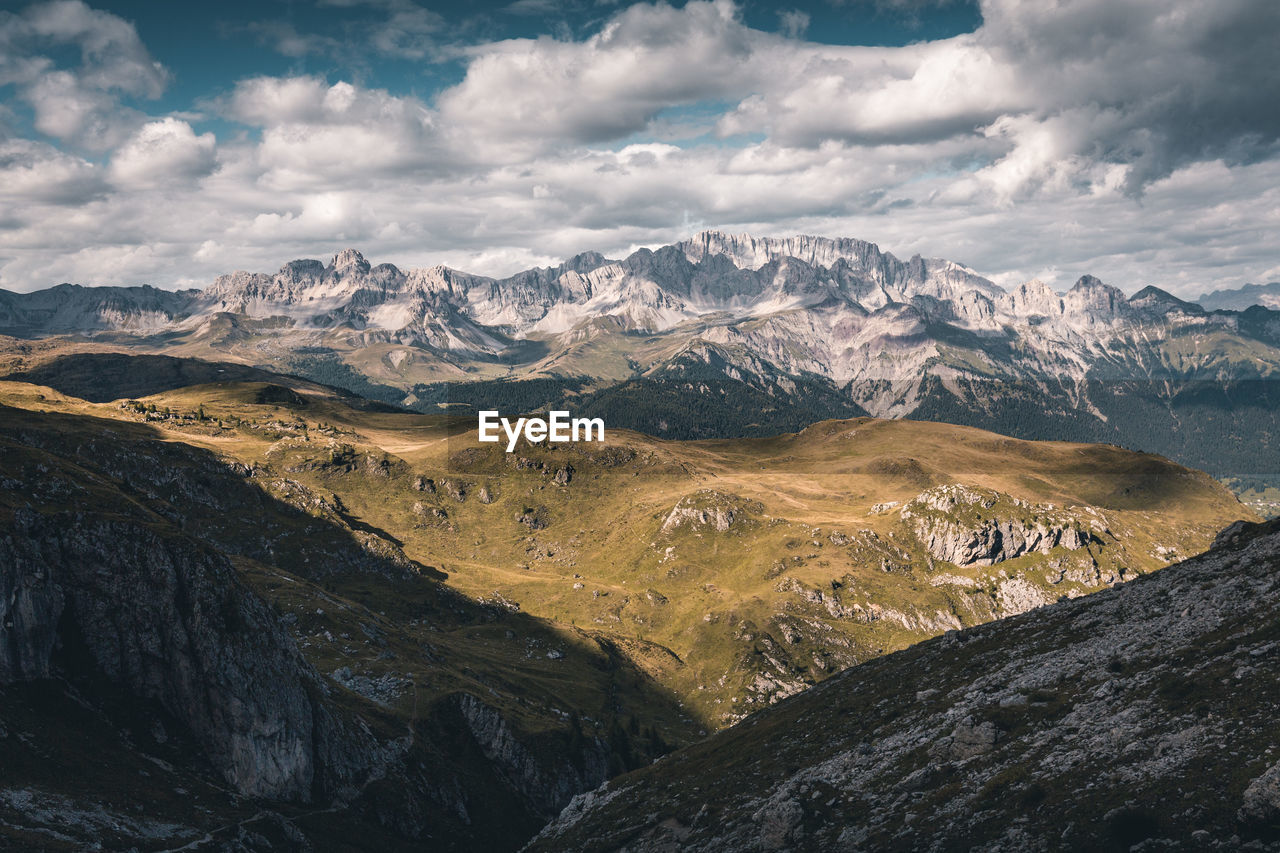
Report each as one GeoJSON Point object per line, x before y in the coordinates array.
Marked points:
{"type": "Point", "coordinates": [779, 823]}
{"type": "Point", "coordinates": [979, 527]}
{"type": "Point", "coordinates": [169, 620]}
{"type": "Point", "coordinates": [548, 782]}
{"type": "Point", "coordinates": [30, 603]}
{"type": "Point", "coordinates": [1017, 595]}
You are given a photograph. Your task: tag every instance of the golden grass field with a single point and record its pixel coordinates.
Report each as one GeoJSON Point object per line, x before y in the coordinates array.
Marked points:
{"type": "Point", "coordinates": [812, 573]}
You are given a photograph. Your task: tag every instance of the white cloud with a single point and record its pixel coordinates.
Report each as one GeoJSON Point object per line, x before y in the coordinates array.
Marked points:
{"type": "Point", "coordinates": [36, 173]}
{"type": "Point", "coordinates": [163, 153]}
{"type": "Point", "coordinates": [793, 22]}
{"type": "Point", "coordinates": [112, 55]}
{"type": "Point", "coordinates": [66, 109]}
{"type": "Point", "coordinates": [273, 101]}
{"type": "Point", "coordinates": [1124, 138]}
{"type": "Point", "coordinates": [79, 104]}
{"type": "Point", "coordinates": [315, 135]}
{"type": "Point", "coordinates": [527, 95]}
{"type": "Point", "coordinates": [1133, 83]}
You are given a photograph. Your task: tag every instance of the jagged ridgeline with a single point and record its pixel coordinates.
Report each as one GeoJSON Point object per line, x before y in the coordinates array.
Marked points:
{"type": "Point", "coordinates": [272, 611]}
{"type": "Point", "coordinates": [729, 336]}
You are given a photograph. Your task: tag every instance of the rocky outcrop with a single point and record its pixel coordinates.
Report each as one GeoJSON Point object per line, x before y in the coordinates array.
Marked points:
{"type": "Point", "coordinates": [1262, 797]}
{"type": "Point", "coordinates": [707, 509]}
{"type": "Point", "coordinates": [1018, 595]}
{"type": "Point", "coordinates": [534, 517]}
{"type": "Point", "coordinates": [970, 738]}
{"type": "Point", "coordinates": [31, 602]}
{"type": "Point", "coordinates": [979, 527]}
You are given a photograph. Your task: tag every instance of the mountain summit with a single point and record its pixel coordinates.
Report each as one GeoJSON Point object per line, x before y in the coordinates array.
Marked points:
{"type": "Point", "coordinates": [349, 259]}
{"type": "Point", "coordinates": [832, 327]}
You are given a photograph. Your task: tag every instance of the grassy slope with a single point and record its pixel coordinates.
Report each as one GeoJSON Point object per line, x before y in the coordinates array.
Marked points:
{"type": "Point", "coordinates": [805, 581]}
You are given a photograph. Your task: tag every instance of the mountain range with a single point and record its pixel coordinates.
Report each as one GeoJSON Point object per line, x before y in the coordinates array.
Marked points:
{"type": "Point", "coordinates": [1266, 295]}
{"type": "Point", "coordinates": [724, 335]}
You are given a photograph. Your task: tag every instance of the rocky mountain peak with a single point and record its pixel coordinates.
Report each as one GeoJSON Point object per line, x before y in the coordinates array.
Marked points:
{"type": "Point", "coordinates": [1089, 282]}
{"type": "Point", "coordinates": [1152, 297]}
{"type": "Point", "coordinates": [798, 305]}
{"type": "Point", "coordinates": [1090, 295]}
{"type": "Point", "coordinates": [748, 252]}
{"type": "Point", "coordinates": [1035, 289]}
{"type": "Point", "coordinates": [349, 259]}
{"type": "Point", "coordinates": [583, 262]}
{"type": "Point", "coordinates": [304, 265]}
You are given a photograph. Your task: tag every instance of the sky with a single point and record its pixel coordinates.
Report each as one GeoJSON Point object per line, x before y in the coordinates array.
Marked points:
{"type": "Point", "coordinates": [144, 141]}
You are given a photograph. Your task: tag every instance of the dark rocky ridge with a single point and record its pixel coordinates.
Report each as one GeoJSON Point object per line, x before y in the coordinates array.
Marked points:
{"type": "Point", "coordinates": [169, 620]}
{"type": "Point", "coordinates": [1140, 718]}
{"type": "Point", "coordinates": [101, 377]}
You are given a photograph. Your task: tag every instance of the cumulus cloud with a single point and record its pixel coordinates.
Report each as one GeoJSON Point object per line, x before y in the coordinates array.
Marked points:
{"type": "Point", "coordinates": [526, 95]}
{"type": "Point", "coordinates": [1161, 86]}
{"type": "Point", "coordinates": [1133, 83]}
{"type": "Point", "coordinates": [1065, 86]}
{"type": "Point", "coordinates": [112, 55]}
{"type": "Point", "coordinates": [163, 153]}
{"type": "Point", "coordinates": [37, 173]}
{"type": "Point", "coordinates": [314, 134]}
{"type": "Point", "coordinates": [79, 104]}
